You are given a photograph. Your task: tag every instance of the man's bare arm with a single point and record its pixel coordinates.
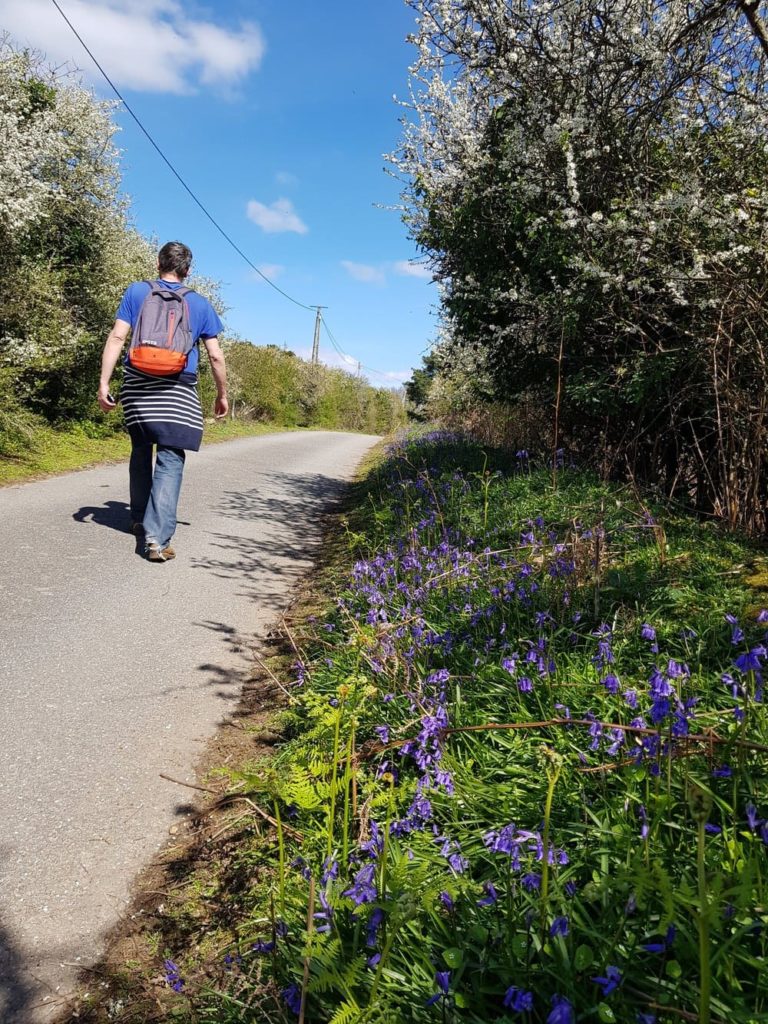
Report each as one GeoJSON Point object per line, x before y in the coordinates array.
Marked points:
{"type": "Point", "coordinates": [219, 371]}
{"type": "Point", "coordinates": [109, 357]}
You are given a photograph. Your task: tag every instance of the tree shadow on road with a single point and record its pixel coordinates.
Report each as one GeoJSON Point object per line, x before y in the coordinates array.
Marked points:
{"type": "Point", "coordinates": [268, 563]}
{"type": "Point", "coordinates": [291, 508]}
{"type": "Point", "coordinates": [16, 994]}
{"type": "Point", "coordinates": [230, 677]}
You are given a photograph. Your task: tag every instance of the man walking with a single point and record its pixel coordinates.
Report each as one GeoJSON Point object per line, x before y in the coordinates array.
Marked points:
{"type": "Point", "coordinates": [162, 406]}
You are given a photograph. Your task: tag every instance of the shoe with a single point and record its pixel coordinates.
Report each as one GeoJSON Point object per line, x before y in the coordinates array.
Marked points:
{"type": "Point", "coordinates": [137, 529]}
{"type": "Point", "coordinates": [157, 554]}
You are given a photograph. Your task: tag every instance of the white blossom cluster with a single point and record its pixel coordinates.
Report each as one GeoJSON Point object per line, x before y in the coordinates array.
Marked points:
{"type": "Point", "coordinates": [561, 155]}
{"type": "Point", "coordinates": [55, 142]}
{"type": "Point", "coordinates": [66, 247]}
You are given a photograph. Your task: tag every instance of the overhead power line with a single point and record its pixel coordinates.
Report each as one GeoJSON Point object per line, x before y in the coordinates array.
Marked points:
{"type": "Point", "coordinates": [351, 359]}
{"type": "Point", "coordinates": [172, 169]}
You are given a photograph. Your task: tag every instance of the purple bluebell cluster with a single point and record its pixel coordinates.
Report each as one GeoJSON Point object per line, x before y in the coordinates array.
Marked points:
{"type": "Point", "coordinates": [173, 976]}
{"type": "Point", "coordinates": [472, 650]}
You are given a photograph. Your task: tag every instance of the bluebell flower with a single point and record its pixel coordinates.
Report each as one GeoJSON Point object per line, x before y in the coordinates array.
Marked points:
{"type": "Point", "coordinates": [644, 830]}
{"type": "Point", "coordinates": [324, 917]}
{"type": "Point", "coordinates": [382, 731]}
{"type": "Point", "coordinates": [502, 841]}
{"type": "Point", "coordinates": [372, 928]}
{"type": "Point", "coordinates": [723, 772]}
{"type": "Point", "coordinates": [292, 998]}
{"type": "Point", "coordinates": [375, 844]}
{"type": "Point", "coordinates": [750, 662]}
{"type": "Point", "coordinates": [611, 682]}
{"type": "Point", "coordinates": [664, 944]}
{"type": "Point", "coordinates": [173, 976]}
{"type": "Point", "coordinates": [491, 895]}
{"type": "Point", "coordinates": [676, 669]}
{"type": "Point", "coordinates": [611, 981]}
{"type": "Point", "coordinates": [647, 632]}
{"type": "Point", "coordinates": [518, 1000]}
{"type": "Point", "coordinates": [659, 710]}
{"type": "Point", "coordinates": [447, 900]}
{"type": "Point", "coordinates": [363, 889]}
{"type": "Point", "coordinates": [531, 881]}
{"type": "Point", "coordinates": [562, 1011]}
{"type": "Point", "coordinates": [559, 926]}
{"type": "Point", "coordinates": [373, 961]}
{"type": "Point", "coordinates": [752, 819]}
{"type": "Point", "coordinates": [443, 982]}
{"type": "Point", "coordinates": [263, 947]}
{"type": "Point", "coordinates": [330, 871]}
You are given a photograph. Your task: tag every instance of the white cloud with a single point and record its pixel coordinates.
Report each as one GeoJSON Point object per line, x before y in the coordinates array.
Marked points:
{"type": "Point", "coordinates": [395, 376]}
{"type": "Point", "coordinates": [408, 269]}
{"type": "Point", "coordinates": [279, 216]}
{"type": "Point", "coordinates": [270, 270]}
{"type": "Point", "coordinates": [148, 45]}
{"type": "Point", "coordinates": [286, 178]}
{"type": "Point", "coordinates": [379, 379]}
{"type": "Point", "coordinates": [330, 357]}
{"type": "Point", "coordinates": [364, 272]}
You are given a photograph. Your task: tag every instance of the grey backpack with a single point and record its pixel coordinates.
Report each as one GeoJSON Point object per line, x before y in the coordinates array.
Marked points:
{"type": "Point", "coordinates": [162, 338]}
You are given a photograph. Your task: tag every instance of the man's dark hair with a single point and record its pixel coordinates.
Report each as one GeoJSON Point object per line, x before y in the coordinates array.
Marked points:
{"type": "Point", "coordinates": [175, 258]}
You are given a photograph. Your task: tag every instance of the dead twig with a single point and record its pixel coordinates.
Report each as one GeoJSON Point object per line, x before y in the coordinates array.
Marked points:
{"type": "Point", "coordinates": [271, 674]}
{"type": "Point", "coordinates": [268, 817]}
{"type": "Point", "coordinates": [189, 785]}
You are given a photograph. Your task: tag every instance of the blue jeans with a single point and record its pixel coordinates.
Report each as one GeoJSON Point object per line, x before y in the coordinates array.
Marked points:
{"type": "Point", "coordinates": [155, 495]}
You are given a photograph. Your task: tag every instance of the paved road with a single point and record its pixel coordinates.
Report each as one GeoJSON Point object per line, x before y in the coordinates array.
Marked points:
{"type": "Point", "coordinates": [114, 669]}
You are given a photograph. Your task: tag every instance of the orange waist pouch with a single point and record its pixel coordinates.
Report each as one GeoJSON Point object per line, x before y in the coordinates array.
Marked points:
{"type": "Point", "coordinates": [158, 362]}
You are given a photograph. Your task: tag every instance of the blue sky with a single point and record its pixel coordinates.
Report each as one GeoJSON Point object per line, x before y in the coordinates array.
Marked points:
{"type": "Point", "coordinates": [278, 116]}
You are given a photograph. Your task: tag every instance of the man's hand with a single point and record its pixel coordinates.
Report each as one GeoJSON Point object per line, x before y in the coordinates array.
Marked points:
{"type": "Point", "coordinates": [219, 371]}
{"type": "Point", "coordinates": [104, 400]}
{"type": "Point", "coordinates": [110, 355]}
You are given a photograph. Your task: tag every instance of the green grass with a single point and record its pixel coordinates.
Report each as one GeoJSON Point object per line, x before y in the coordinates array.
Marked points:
{"type": "Point", "coordinates": [50, 451]}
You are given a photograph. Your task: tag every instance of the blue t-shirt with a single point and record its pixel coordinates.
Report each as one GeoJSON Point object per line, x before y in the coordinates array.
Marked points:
{"type": "Point", "coordinates": [204, 321]}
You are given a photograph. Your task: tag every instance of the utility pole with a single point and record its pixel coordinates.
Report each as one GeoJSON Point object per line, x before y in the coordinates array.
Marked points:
{"type": "Point", "coordinates": [316, 339]}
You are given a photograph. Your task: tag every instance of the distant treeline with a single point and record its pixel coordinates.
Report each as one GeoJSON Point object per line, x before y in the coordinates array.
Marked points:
{"type": "Point", "coordinates": [67, 251]}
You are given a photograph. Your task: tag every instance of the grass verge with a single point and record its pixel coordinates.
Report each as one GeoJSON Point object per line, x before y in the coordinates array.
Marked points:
{"type": "Point", "coordinates": [521, 775]}
{"type": "Point", "coordinates": [49, 451]}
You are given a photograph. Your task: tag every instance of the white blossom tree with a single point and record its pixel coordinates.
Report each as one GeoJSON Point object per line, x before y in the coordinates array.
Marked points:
{"type": "Point", "coordinates": [589, 179]}
{"type": "Point", "coordinates": [66, 247]}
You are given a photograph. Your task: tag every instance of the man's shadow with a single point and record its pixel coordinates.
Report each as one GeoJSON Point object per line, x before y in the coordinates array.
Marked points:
{"type": "Point", "coordinates": [114, 514]}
